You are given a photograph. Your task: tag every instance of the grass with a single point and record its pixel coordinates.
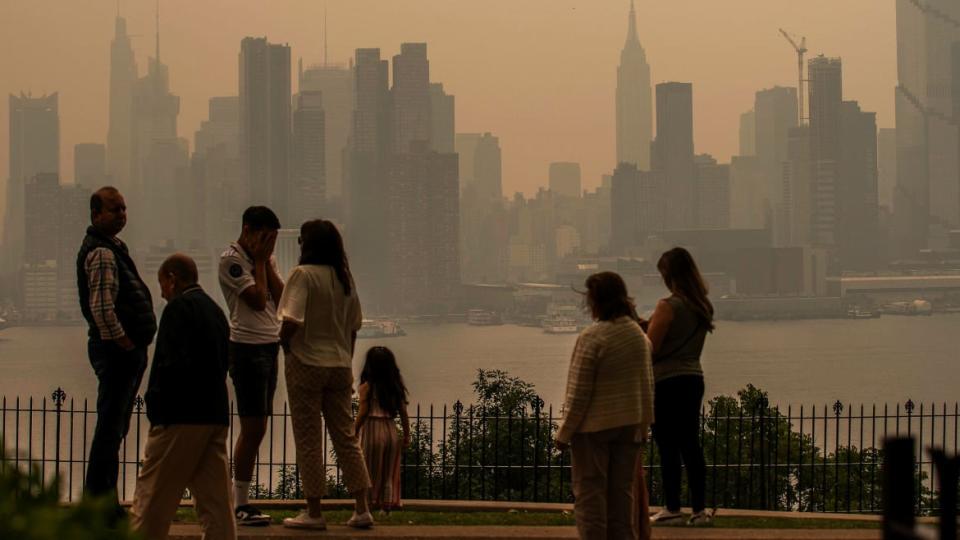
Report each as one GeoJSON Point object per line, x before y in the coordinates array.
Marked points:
{"type": "Point", "coordinates": [547, 519]}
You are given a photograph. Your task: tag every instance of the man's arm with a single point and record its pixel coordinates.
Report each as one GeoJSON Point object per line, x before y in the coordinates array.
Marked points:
{"type": "Point", "coordinates": [255, 295]}
{"type": "Point", "coordinates": [102, 281]}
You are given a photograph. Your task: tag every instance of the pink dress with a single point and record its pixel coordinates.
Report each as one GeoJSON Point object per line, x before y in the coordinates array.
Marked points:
{"type": "Point", "coordinates": [380, 440]}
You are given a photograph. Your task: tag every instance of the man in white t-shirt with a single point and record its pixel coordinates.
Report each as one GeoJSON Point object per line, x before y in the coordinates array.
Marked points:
{"type": "Point", "coordinates": [252, 287]}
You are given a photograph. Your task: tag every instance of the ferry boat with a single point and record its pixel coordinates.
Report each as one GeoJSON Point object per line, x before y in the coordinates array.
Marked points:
{"type": "Point", "coordinates": [917, 307]}
{"type": "Point", "coordinates": [560, 326]}
{"type": "Point", "coordinates": [483, 317]}
{"type": "Point", "coordinates": [380, 328]}
{"type": "Point", "coordinates": [861, 313]}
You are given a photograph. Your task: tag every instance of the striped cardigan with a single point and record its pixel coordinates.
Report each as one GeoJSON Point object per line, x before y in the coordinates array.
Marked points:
{"type": "Point", "coordinates": [610, 382]}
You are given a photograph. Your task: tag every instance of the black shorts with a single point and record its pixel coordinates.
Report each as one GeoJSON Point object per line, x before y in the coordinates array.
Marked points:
{"type": "Point", "coordinates": [253, 369]}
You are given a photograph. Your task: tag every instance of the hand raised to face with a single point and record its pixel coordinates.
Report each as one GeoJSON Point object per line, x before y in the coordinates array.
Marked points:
{"type": "Point", "coordinates": [262, 244]}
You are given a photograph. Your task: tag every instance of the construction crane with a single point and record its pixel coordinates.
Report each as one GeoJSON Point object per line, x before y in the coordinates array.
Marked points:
{"type": "Point", "coordinates": [801, 50]}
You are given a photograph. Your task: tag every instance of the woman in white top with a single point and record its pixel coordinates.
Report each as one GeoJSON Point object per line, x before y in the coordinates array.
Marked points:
{"type": "Point", "coordinates": [321, 316]}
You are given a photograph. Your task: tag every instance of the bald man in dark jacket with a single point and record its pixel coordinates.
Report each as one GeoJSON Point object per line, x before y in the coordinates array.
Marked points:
{"type": "Point", "coordinates": [187, 408]}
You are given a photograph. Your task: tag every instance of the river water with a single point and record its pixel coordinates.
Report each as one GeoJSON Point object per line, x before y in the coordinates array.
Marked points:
{"type": "Point", "coordinates": [890, 360]}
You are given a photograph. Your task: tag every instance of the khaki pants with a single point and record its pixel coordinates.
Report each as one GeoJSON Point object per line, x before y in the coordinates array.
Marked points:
{"type": "Point", "coordinates": [604, 475]}
{"type": "Point", "coordinates": [643, 501]}
{"type": "Point", "coordinates": [318, 393]}
{"type": "Point", "coordinates": [178, 457]}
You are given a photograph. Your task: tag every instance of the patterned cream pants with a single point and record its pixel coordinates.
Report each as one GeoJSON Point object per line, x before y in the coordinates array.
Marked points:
{"type": "Point", "coordinates": [318, 393]}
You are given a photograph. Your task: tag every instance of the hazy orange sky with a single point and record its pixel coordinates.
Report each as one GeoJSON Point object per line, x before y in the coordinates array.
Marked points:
{"type": "Point", "coordinates": [540, 74]}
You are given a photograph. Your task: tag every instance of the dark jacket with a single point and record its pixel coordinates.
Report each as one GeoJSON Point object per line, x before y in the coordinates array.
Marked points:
{"type": "Point", "coordinates": [187, 382]}
{"type": "Point", "coordinates": [133, 304]}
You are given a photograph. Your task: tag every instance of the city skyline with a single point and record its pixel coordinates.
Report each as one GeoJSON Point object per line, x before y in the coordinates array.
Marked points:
{"type": "Point", "coordinates": [526, 124]}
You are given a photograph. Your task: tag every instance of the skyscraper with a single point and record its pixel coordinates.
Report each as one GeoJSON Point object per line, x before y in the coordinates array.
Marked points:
{"type": "Point", "coordinates": [265, 100]}
{"type": "Point", "coordinates": [74, 216]}
{"type": "Point", "coordinates": [123, 80]}
{"type": "Point", "coordinates": [335, 83]}
{"type": "Point", "coordinates": [90, 165]}
{"type": "Point", "coordinates": [483, 231]}
{"type": "Point", "coordinates": [775, 114]}
{"type": "Point", "coordinates": [412, 110]}
{"type": "Point", "coordinates": [624, 208]}
{"type": "Point", "coordinates": [713, 194]}
{"type": "Point", "coordinates": [749, 205]}
{"type": "Point", "coordinates": [38, 274]}
{"type": "Point", "coordinates": [34, 149]}
{"type": "Point", "coordinates": [215, 168]}
{"type": "Point", "coordinates": [886, 165]}
{"type": "Point", "coordinates": [564, 179]}
{"type": "Point", "coordinates": [309, 158]}
{"type": "Point", "coordinates": [858, 223]}
{"type": "Point", "coordinates": [424, 191]}
{"type": "Point", "coordinates": [465, 144]}
{"type": "Point", "coordinates": [424, 237]}
{"type": "Point", "coordinates": [798, 184]}
{"type": "Point", "coordinates": [673, 153]}
{"type": "Point", "coordinates": [160, 157]}
{"type": "Point", "coordinates": [442, 119]}
{"type": "Point", "coordinates": [927, 197]}
{"type": "Point", "coordinates": [367, 188]}
{"type": "Point", "coordinates": [488, 169]}
{"type": "Point", "coordinates": [634, 101]}
{"type": "Point", "coordinates": [826, 97]}
{"type": "Point", "coordinates": [748, 133]}
{"type": "Point", "coordinates": [41, 209]}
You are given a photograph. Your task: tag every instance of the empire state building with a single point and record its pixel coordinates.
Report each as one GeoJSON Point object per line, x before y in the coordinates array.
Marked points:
{"type": "Point", "coordinates": [634, 101]}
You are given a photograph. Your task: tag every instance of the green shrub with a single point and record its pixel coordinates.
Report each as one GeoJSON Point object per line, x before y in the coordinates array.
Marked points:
{"type": "Point", "coordinates": [30, 509]}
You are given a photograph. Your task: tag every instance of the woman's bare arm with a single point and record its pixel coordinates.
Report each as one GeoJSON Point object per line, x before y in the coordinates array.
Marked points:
{"type": "Point", "coordinates": [659, 324]}
{"type": "Point", "coordinates": [363, 393]}
{"type": "Point", "coordinates": [405, 422]}
{"type": "Point", "coordinates": [287, 330]}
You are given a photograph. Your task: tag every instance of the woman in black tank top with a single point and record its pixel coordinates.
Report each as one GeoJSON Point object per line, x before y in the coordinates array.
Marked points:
{"type": "Point", "coordinates": [678, 330]}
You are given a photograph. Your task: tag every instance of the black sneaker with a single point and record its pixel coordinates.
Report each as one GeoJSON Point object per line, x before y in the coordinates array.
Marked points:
{"type": "Point", "coordinates": [250, 516]}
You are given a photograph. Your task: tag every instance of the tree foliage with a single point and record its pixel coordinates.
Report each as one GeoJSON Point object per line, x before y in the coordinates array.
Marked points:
{"type": "Point", "coordinates": [30, 510]}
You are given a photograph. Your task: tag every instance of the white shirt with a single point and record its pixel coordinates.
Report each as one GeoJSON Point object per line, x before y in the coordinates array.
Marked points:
{"type": "Point", "coordinates": [314, 299]}
{"type": "Point", "coordinates": [247, 325]}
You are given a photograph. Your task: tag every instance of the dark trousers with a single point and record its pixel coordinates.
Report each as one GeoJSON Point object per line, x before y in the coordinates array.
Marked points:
{"type": "Point", "coordinates": [677, 432]}
{"type": "Point", "coordinates": [118, 374]}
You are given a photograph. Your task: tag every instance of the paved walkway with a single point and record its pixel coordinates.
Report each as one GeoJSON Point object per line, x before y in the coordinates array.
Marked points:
{"type": "Point", "coordinates": [434, 505]}
{"type": "Point", "coordinates": [338, 532]}
{"type": "Point", "coordinates": [413, 532]}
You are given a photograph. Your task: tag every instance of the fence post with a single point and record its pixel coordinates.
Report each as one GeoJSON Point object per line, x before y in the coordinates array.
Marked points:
{"type": "Point", "coordinates": [909, 407]}
{"type": "Point", "coordinates": [762, 405]}
{"type": "Point", "coordinates": [58, 396]}
{"type": "Point", "coordinates": [837, 411]}
{"type": "Point", "coordinates": [537, 407]}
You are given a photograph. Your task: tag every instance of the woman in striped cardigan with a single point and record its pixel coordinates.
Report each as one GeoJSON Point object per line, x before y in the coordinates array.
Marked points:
{"type": "Point", "coordinates": [608, 409]}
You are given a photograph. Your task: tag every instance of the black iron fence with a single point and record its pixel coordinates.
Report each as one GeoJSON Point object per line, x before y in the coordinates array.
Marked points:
{"type": "Point", "coordinates": [808, 458]}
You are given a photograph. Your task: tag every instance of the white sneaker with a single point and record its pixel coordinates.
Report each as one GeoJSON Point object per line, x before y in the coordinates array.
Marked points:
{"type": "Point", "coordinates": [304, 521]}
{"type": "Point", "coordinates": [700, 518]}
{"type": "Point", "coordinates": [666, 516]}
{"type": "Point", "coordinates": [361, 521]}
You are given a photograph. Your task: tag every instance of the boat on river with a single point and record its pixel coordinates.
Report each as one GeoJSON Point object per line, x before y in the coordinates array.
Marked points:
{"type": "Point", "coordinates": [380, 328]}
